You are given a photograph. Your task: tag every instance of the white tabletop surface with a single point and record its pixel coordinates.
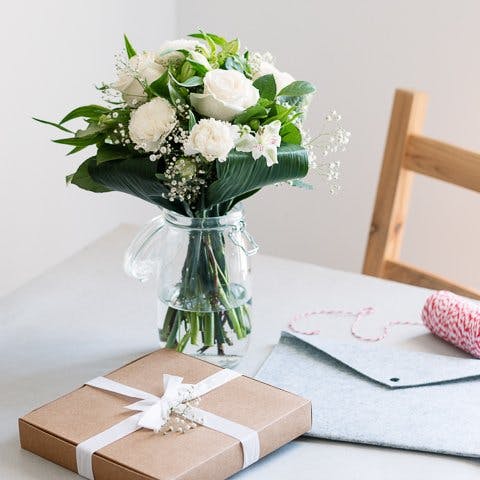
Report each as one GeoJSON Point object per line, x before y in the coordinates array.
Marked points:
{"type": "Point", "coordinates": [85, 317]}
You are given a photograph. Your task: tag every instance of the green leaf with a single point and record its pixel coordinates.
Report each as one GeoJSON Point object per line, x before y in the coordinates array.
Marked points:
{"type": "Point", "coordinates": [266, 86]}
{"type": "Point", "coordinates": [75, 150]}
{"type": "Point", "coordinates": [79, 141]}
{"type": "Point", "coordinates": [291, 134]}
{"type": "Point", "coordinates": [107, 152]}
{"type": "Point", "coordinates": [134, 176]}
{"type": "Point", "coordinates": [53, 124]}
{"type": "Point", "coordinates": [250, 174]}
{"type": "Point", "coordinates": [255, 111]}
{"type": "Point", "coordinates": [192, 121]}
{"type": "Point", "coordinates": [159, 87]}
{"type": "Point", "coordinates": [81, 178]}
{"type": "Point", "coordinates": [215, 38]}
{"type": "Point", "coordinates": [87, 111]}
{"type": "Point", "coordinates": [190, 82]}
{"type": "Point", "coordinates": [175, 94]}
{"type": "Point", "coordinates": [297, 88]}
{"type": "Point", "coordinates": [128, 47]}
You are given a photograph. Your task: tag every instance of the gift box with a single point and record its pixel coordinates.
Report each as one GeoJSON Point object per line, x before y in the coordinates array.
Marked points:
{"type": "Point", "coordinates": [165, 416]}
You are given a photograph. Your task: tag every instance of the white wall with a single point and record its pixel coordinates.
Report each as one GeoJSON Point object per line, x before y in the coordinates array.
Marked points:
{"type": "Point", "coordinates": [53, 52]}
{"type": "Point", "coordinates": [357, 53]}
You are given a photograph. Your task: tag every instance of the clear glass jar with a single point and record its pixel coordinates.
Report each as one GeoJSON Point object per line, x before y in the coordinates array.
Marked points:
{"type": "Point", "coordinates": [203, 276]}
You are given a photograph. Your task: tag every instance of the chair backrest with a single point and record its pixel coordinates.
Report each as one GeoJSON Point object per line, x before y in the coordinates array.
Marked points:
{"type": "Point", "coordinates": [407, 151]}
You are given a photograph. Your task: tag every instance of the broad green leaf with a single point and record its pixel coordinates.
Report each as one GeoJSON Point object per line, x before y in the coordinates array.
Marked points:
{"type": "Point", "coordinates": [291, 134]}
{"type": "Point", "coordinates": [297, 88]}
{"type": "Point", "coordinates": [250, 174]}
{"type": "Point", "coordinates": [266, 86]}
{"type": "Point", "coordinates": [87, 111]}
{"type": "Point", "coordinates": [256, 111]}
{"type": "Point", "coordinates": [107, 152]}
{"type": "Point", "coordinates": [135, 176]}
{"type": "Point", "coordinates": [53, 124]}
{"type": "Point", "coordinates": [159, 87]}
{"type": "Point", "coordinates": [81, 178]}
{"type": "Point", "coordinates": [128, 47]}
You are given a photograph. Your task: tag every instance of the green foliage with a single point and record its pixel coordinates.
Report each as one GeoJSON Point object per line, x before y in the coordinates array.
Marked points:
{"type": "Point", "coordinates": [291, 134]}
{"type": "Point", "coordinates": [134, 176]}
{"type": "Point", "coordinates": [256, 111]}
{"type": "Point", "coordinates": [191, 120]}
{"type": "Point", "coordinates": [159, 87]}
{"type": "Point", "coordinates": [93, 112]}
{"type": "Point", "coordinates": [82, 178]}
{"type": "Point", "coordinates": [53, 124]}
{"type": "Point", "coordinates": [266, 86]}
{"type": "Point", "coordinates": [298, 88]}
{"type": "Point", "coordinates": [214, 38]}
{"type": "Point", "coordinates": [128, 47]}
{"type": "Point", "coordinates": [108, 152]}
{"type": "Point", "coordinates": [241, 174]}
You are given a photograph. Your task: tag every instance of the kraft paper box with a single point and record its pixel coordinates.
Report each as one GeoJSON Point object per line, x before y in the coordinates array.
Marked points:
{"type": "Point", "coordinates": [54, 430]}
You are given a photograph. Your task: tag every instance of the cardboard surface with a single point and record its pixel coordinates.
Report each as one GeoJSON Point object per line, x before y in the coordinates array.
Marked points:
{"type": "Point", "coordinates": [54, 430]}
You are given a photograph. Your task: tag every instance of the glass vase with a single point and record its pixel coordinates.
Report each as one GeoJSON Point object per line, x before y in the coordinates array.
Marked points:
{"type": "Point", "coordinates": [202, 267]}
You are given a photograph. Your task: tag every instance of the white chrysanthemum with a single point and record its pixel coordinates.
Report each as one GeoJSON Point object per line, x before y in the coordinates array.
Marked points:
{"type": "Point", "coordinates": [151, 123]}
{"type": "Point", "coordinates": [282, 79]}
{"type": "Point", "coordinates": [226, 93]}
{"type": "Point", "coordinates": [213, 139]}
{"type": "Point", "coordinates": [141, 68]}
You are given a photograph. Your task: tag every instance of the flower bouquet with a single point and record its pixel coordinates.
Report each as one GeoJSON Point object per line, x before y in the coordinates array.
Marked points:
{"type": "Point", "coordinates": [194, 128]}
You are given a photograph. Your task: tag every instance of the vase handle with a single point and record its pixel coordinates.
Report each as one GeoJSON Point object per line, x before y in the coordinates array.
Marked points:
{"type": "Point", "coordinates": [242, 239]}
{"type": "Point", "coordinates": [141, 257]}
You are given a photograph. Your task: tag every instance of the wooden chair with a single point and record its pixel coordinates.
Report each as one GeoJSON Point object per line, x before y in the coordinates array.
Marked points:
{"type": "Point", "coordinates": [407, 151]}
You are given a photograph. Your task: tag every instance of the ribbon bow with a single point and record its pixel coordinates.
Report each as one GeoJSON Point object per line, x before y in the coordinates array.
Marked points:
{"type": "Point", "coordinates": [157, 410]}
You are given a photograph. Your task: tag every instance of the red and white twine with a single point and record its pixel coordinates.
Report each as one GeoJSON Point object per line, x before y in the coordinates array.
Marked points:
{"type": "Point", "coordinates": [445, 314]}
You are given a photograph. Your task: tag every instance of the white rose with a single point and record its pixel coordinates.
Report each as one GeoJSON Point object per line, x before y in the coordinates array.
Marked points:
{"type": "Point", "coordinates": [226, 93]}
{"type": "Point", "coordinates": [168, 51]}
{"type": "Point", "coordinates": [212, 139]}
{"type": "Point", "coordinates": [282, 79]}
{"type": "Point", "coordinates": [141, 68]}
{"type": "Point", "coordinates": [151, 123]}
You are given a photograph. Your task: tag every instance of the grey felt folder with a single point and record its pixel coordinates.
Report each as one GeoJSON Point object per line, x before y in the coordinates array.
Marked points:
{"type": "Point", "coordinates": [382, 396]}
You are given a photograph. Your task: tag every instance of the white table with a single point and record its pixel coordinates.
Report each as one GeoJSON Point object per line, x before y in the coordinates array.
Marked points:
{"type": "Point", "coordinates": [85, 317]}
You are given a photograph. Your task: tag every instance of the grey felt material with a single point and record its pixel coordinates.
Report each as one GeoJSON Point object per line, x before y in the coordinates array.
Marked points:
{"type": "Point", "coordinates": [382, 396]}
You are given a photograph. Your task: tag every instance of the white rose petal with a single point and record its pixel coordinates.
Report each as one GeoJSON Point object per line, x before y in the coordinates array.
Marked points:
{"type": "Point", "coordinates": [282, 79]}
{"type": "Point", "coordinates": [168, 51]}
{"type": "Point", "coordinates": [226, 94]}
{"type": "Point", "coordinates": [213, 139]}
{"type": "Point", "coordinates": [151, 123]}
{"type": "Point", "coordinates": [141, 68]}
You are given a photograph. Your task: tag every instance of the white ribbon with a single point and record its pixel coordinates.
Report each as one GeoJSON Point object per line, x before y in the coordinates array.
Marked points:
{"type": "Point", "coordinates": [155, 412]}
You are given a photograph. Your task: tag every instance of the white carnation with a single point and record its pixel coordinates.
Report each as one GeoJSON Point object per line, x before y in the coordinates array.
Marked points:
{"type": "Point", "coordinates": [213, 139]}
{"type": "Point", "coordinates": [141, 68]}
{"type": "Point", "coordinates": [282, 79]}
{"type": "Point", "coordinates": [226, 94]}
{"type": "Point", "coordinates": [151, 123]}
